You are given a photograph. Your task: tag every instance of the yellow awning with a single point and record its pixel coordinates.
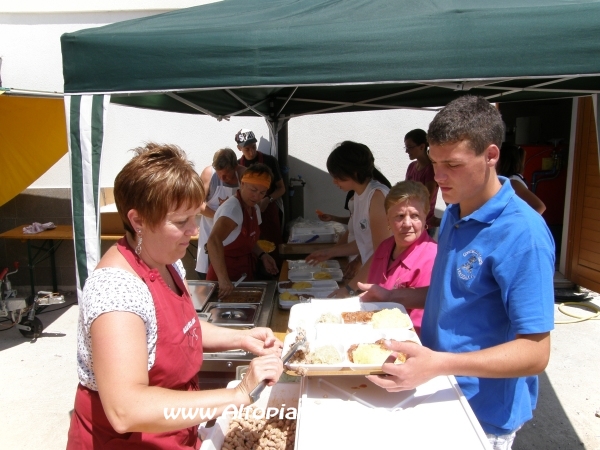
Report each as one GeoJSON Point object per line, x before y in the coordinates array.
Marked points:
{"type": "Point", "coordinates": [33, 137]}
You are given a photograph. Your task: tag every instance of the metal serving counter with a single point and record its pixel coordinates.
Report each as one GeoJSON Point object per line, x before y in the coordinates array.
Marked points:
{"type": "Point", "coordinates": [256, 308]}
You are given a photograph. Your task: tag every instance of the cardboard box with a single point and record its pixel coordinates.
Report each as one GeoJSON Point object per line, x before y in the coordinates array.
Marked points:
{"type": "Point", "coordinates": [110, 221]}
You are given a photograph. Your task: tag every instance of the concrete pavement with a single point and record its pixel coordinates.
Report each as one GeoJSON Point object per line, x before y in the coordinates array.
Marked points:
{"type": "Point", "coordinates": [39, 378]}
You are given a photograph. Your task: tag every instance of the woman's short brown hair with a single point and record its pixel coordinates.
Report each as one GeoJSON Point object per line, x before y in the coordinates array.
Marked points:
{"type": "Point", "coordinates": [407, 190]}
{"type": "Point", "coordinates": [225, 159]}
{"type": "Point", "coordinates": [158, 179]}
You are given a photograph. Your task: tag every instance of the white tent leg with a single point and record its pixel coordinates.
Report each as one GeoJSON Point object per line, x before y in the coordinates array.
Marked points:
{"type": "Point", "coordinates": [85, 116]}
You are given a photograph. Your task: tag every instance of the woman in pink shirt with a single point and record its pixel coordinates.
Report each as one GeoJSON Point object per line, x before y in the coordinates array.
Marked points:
{"type": "Point", "coordinates": [405, 260]}
{"type": "Point", "coordinates": [421, 169]}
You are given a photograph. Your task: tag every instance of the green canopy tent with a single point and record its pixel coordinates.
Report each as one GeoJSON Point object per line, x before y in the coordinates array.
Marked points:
{"type": "Point", "coordinates": [280, 59]}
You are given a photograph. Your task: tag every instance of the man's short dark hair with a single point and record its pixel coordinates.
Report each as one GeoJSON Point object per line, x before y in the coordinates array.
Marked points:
{"type": "Point", "coordinates": [468, 118]}
{"type": "Point", "coordinates": [351, 160]}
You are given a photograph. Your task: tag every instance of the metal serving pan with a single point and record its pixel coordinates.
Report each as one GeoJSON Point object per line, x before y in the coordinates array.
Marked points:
{"type": "Point", "coordinates": [201, 292]}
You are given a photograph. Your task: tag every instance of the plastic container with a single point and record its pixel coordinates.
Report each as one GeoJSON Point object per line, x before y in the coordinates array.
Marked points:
{"type": "Point", "coordinates": [282, 396]}
{"type": "Point", "coordinates": [304, 233]}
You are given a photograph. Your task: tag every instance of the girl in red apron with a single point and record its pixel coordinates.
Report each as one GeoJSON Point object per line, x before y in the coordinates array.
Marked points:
{"type": "Point", "coordinates": [229, 262]}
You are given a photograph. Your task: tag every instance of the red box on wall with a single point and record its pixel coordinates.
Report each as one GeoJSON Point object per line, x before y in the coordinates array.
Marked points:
{"type": "Point", "coordinates": [549, 187]}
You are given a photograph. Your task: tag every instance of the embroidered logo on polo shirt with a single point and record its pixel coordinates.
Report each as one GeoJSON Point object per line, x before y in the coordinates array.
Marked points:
{"type": "Point", "coordinates": [467, 270]}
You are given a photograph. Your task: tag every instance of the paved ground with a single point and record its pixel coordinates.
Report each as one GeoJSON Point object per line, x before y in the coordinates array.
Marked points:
{"type": "Point", "coordinates": [38, 381]}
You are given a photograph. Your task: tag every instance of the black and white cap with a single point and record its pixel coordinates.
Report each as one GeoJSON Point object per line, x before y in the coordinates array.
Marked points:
{"type": "Point", "coordinates": [245, 137]}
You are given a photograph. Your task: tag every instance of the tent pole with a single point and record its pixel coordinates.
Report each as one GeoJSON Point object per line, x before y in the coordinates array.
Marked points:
{"type": "Point", "coordinates": [597, 123]}
{"type": "Point", "coordinates": [282, 154]}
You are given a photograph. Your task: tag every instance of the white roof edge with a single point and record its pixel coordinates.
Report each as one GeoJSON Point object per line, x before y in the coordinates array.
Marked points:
{"type": "Point", "coordinates": [90, 6]}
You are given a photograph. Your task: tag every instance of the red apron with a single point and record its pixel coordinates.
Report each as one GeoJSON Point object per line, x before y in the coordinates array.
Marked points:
{"type": "Point", "coordinates": [178, 360]}
{"type": "Point", "coordinates": [239, 258]}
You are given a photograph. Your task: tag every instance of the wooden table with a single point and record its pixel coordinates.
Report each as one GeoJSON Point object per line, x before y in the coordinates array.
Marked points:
{"type": "Point", "coordinates": [46, 248]}
{"type": "Point", "coordinates": [301, 250]}
{"type": "Point", "coordinates": [280, 317]}
{"type": "Point", "coordinates": [47, 242]}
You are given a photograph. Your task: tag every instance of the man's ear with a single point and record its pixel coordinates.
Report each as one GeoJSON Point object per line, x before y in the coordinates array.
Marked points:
{"type": "Point", "coordinates": [135, 220]}
{"type": "Point", "coordinates": [492, 155]}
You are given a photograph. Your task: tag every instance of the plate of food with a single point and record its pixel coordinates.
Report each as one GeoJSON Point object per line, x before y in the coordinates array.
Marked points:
{"type": "Point", "coordinates": [266, 246]}
{"type": "Point", "coordinates": [308, 286]}
{"type": "Point", "coordinates": [302, 264]}
{"type": "Point", "coordinates": [315, 274]}
{"type": "Point", "coordinates": [350, 311]}
{"type": "Point", "coordinates": [345, 352]}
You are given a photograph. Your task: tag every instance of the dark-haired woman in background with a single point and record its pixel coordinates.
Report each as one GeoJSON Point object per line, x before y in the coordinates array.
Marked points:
{"type": "Point", "coordinates": [351, 166]}
{"type": "Point", "coordinates": [421, 169]}
{"type": "Point", "coordinates": [511, 165]}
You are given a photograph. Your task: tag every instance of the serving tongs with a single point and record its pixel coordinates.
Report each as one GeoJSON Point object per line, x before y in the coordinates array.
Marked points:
{"type": "Point", "coordinates": [255, 394]}
{"type": "Point", "coordinates": [242, 278]}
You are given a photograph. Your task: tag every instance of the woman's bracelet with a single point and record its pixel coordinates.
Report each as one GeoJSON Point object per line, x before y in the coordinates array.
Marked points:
{"type": "Point", "coordinates": [260, 255]}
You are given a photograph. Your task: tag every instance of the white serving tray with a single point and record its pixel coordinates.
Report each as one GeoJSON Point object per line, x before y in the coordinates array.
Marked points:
{"type": "Point", "coordinates": [434, 416]}
{"type": "Point", "coordinates": [316, 286]}
{"type": "Point", "coordinates": [272, 397]}
{"type": "Point", "coordinates": [310, 274]}
{"type": "Point", "coordinates": [287, 304]}
{"type": "Point", "coordinates": [305, 315]}
{"type": "Point", "coordinates": [342, 337]}
{"type": "Point", "coordinates": [310, 232]}
{"type": "Point", "coordinates": [302, 264]}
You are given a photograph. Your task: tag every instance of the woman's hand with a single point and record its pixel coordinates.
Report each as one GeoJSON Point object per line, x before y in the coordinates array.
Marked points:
{"type": "Point", "coordinates": [326, 217]}
{"type": "Point", "coordinates": [318, 256]}
{"type": "Point", "coordinates": [339, 293]}
{"type": "Point", "coordinates": [374, 293]}
{"type": "Point", "coordinates": [225, 287]}
{"type": "Point", "coordinates": [268, 367]}
{"type": "Point", "coordinates": [270, 264]}
{"type": "Point", "coordinates": [261, 341]}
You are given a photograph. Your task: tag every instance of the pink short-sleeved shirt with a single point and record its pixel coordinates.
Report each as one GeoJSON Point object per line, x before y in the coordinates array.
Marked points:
{"type": "Point", "coordinates": [424, 175]}
{"type": "Point", "coordinates": [412, 269]}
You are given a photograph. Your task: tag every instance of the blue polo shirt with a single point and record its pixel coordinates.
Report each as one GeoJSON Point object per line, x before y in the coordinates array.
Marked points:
{"type": "Point", "coordinates": [492, 279]}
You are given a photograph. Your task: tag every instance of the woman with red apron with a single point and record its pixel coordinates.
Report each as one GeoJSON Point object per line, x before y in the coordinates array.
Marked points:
{"type": "Point", "coordinates": [177, 363]}
{"type": "Point", "coordinates": [140, 344]}
{"type": "Point", "coordinates": [232, 255]}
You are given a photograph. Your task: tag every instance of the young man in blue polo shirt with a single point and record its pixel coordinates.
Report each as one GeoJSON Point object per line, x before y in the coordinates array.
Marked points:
{"type": "Point", "coordinates": [489, 307]}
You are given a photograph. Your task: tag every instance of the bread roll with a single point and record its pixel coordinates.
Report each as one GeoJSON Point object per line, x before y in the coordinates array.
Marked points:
{"type": "Point", "coordinates": [372, 354]}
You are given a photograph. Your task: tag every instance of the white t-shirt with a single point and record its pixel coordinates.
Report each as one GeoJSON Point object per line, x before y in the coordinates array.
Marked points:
{"type": "Point", "coordinates": [232, 209]}
{"type": "Point", "coordinates": [110, 289]}
{"type": "Point", "coordinates": [360, 218]}
{"type": "Point", "coordinates": [219, 192]}
{"type": "Point", "coordinates": [351, 227]}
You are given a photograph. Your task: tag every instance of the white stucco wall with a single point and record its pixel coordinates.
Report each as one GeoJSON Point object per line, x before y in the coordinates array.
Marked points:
{"type": "Point", "coordinates": [30, 48]}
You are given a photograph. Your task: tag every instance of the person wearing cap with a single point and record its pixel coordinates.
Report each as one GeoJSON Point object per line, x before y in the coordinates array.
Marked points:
{"type": "Point", "coordinates": [221, 180]}
{"type": "Point", "coordinates": [271, 204]}
{"type": "Point", "coordinates": [232, 244]}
